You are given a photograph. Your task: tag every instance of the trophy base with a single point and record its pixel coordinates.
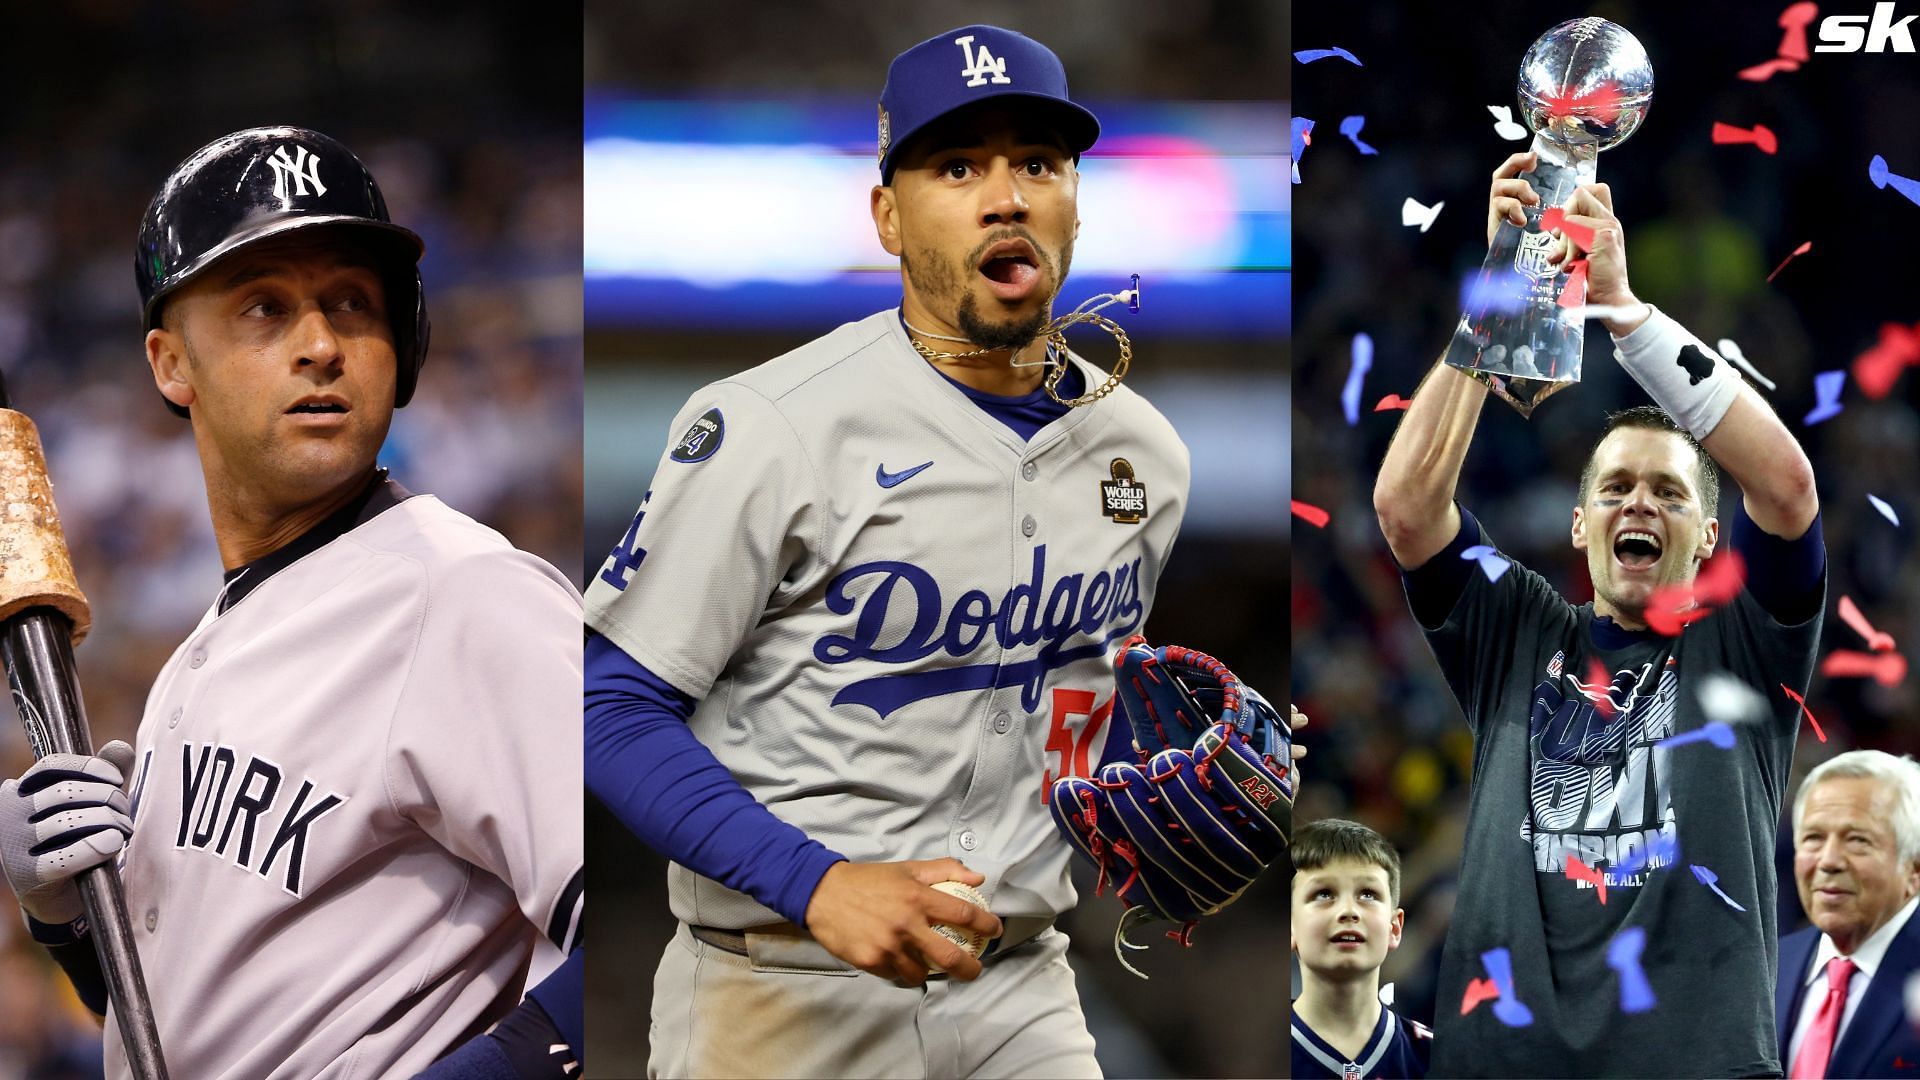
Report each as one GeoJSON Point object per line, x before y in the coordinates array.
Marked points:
{"type": "Point", "coordinates": [1525, 395]}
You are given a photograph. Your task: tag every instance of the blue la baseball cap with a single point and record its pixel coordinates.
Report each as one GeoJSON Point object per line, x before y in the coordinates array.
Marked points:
{"type": "Point", "coordinates": [967, 66]}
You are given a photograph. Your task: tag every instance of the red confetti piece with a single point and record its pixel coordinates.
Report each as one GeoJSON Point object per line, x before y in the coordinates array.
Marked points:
{"type": "Point", "coordinates": [1599, 99]}
{"type": "Point", "coordinates": [1392, 401]}
{"type": "Point", "coordinates": [1556, 218]}
{"type": "Point", "coordinates": [1579, 871]}
{"type": "Point", "coordinates": [1574, 293]}
{"type": "Point", "coordinates": [1885, 668]}
{"type": "Point", "coordinates": [1794, 20]}
{"type": "Point", "coordinates": [1672, 607]}
{"type": "Point", "coordinates": [1479, 990]}
{"type": "Point", "coordinates": [1598, 680]}
{"type": "Point", "coordinates": [1760, 136]}
{"type": "Point", "coordinates": [1877, 369]}
{"type": "Point", "coordinates": [1812, 719]}
{"type": "Point", "coordinates": [1797, 252]}
{"type": "Point", "coordinates": [1763, 72]}
{"type": "Point", "coordinates": [1877, 640]}
{"type": "Point", "coordinates": [1311, 514]}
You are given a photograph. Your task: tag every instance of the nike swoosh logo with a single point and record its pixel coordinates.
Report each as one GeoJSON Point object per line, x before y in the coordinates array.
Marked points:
{"type": "Point", "coordinates": [893, 479]}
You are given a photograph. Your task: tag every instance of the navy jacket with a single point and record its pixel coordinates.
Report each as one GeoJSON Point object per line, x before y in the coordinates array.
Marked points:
{"type": "Point", "coordinates": [1878, 1041]}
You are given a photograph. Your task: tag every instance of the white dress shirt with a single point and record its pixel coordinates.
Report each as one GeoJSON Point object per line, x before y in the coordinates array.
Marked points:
{"type": "Point", "coordinates": [1866, 959]}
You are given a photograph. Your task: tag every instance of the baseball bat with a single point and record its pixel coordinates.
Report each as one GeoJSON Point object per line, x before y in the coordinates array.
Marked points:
{"type": "Point", "coordinates": [43, 615]}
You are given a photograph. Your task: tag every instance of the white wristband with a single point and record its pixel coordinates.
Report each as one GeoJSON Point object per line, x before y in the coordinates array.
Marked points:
{"type": "Point", "coordinates": [1679, 372]}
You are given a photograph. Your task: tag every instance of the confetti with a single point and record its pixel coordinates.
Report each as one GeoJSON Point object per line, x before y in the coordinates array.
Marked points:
{"type": "Point", "coordinates": [1885, 668]}
{"type": "Point", "coordinates": [1850, 614]}
{"type": "Point", "coordinates": [1350, 127]}
{"type": "Point", "coordinates": [1812, 719]}
{"type": "Point", "coordinates": [1478, 990]}
{"type": "Point", "coordinates": [1827, 386]}
{"type": "Point", "coordinates": [1719, 733]}
{"type": "Point", "coordinates": [1623, 956]}
{"type": "Point", "coordinates": [1794, 20]}
{"type": "Point", "coordinates": [1725, 698]}
{"type": "Point", "coordinates": [1386, 995]}
{"type": "Point", "coordinates": [1671, 607]}
{"type": "Point", "coordinates": [1599, 688]}
{"type": "Point", "coordinates": [1555, 217]}
{"type": "Point", "coordinates": [1879, 367]}
{"type": "Point", "coordinates": [1579, 871]}
{"type": "Point", "coordinates": [1311, 514]}
{"type": "Point", "coordinates": [1797, 252]}
{"type": "Point", "coordinates": [1604, 311]}
{"type": "Point", "coordinates": [1308, 56]}
{"type": "Point", "coordinates": [1711, 880]}
{"type": "Point", "coordinates": [1879, 504]}
{"type": "Point", "coordinates": [1731, 351]}
{"type": "Point", "coordinates": [1665, 849]}
{"type": "Point", "coordinates": [1412, 213]}
{"type": "Point", "coordinates": [1494, 292]}
{"type": "Point", "coordinates": [1492, 563]}
{"type": "Point", "coordinates": [1574, 293]}
{"type": "Point", "coordinates": [1508, 1009]}
{"type": "Point", "coordinates": [1503, 124]}
{"type": "Point", "coordinates": [1395, 401]}
{"type": "Point", "coordinates": [1302, 138]}
{"type": "Point", "coordinates": [1877, 172]}
{"type": "Point", "coordinates": [1763, 72]}
{"type": "Point", "coordinates": [1356, 376]}
{"type": "Point", "coordinates": [1760, 136]}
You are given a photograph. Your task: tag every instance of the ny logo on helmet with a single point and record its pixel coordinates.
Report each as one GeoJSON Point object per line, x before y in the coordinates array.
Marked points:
{"type": "Point", "coordinates": [301, 167]}
{"type": "Point", "coordinates": [981, 64]}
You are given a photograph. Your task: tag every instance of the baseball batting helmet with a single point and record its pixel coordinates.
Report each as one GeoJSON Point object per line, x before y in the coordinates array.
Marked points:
{"type": "Point", "coordinates": [268, 181]}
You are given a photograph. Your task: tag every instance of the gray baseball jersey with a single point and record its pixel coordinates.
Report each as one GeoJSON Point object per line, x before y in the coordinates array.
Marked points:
{"type": "Point", "coordinates": [896, 615]}
{"type": "Point", "coordinates": [358, 804]}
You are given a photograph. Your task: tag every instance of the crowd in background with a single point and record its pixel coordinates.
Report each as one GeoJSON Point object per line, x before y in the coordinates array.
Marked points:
{"type": "Point", "coordinates": [1705, 225]}
{"type": "Point", "coordinates": [471, 151]}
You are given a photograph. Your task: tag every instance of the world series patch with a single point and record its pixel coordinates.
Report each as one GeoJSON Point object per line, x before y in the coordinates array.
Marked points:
{"type": "Point", "coordinates": [702, 440]}
{"type": "Point", "coordinates": [1123, 498]}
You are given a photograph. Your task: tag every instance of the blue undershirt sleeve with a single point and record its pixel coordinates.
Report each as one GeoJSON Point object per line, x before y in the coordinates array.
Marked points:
{"type": "Point", "coordinates": [644, 763]}
{"type": "Point", "coordinates": [1435, 586]}
{"type": "Point", "coordinates": [1786, 577]}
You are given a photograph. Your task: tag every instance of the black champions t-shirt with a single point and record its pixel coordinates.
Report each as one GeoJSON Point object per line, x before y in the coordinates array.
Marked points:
{"type": "Point", "coordinates": [1558, 778]}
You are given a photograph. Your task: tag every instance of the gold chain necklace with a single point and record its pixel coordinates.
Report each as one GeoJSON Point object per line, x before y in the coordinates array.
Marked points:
{"type": "Point", "coordinates": [1056, 338]}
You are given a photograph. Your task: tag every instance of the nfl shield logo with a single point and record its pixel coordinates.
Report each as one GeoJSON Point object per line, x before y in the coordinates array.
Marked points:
{"type": "Point", "coordinates": [1531, 257]}
{"type": "Point", "coordinates": [1351, 1072]}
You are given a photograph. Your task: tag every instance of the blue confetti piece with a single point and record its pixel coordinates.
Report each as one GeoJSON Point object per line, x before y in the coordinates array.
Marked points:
{"type": "Point", "coordinates": [1719, 733]}
{"type": "Point", "coordinates": [1502, 292]}
{"type": "Point", "coordinates": [1302, 127]}
{"type": "Point", "coordinates": [1623, 956]}
{"type": "Point", "coordinates": [1886, 511]}
{"type": "Point", "coordinates": [1492, 563]}
{"type": "Point", "coordinates": [1881, 176]}
{"type": "Point", "coordinates": [1663, 847]}
{"type": "Point", "coordinates": [1509, 1010]}
{"type": "Point", "coordinates": [1350, 127]}
{"type": "Point", "coordinates": [1308, 56]}
{"type": "Point", "coordinates": [1827, 386]}
{"type": "Point", "coordinates": [1711, 880]}
{"type": "Point", "coordinates": [1356, 377]}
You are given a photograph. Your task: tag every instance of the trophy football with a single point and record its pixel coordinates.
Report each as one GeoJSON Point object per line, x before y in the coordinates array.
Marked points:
{"type": "Point", "coordinates": [1585, 85]}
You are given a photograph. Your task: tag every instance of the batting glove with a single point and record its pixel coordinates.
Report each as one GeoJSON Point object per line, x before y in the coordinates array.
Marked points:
{"type": "Point", "coordinates": [65, 815]}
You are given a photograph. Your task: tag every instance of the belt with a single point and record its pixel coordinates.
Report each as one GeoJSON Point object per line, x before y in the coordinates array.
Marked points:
{"type": "Point", "coordinates": [1014, 932]}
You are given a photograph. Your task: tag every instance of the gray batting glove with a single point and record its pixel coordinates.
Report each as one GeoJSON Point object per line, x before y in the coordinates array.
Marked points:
{"type": "Point", "coordinates": [65, 815]}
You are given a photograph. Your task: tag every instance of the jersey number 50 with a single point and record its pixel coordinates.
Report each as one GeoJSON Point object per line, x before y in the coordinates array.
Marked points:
{"type": "Point", "coordinates": [1061, 739]}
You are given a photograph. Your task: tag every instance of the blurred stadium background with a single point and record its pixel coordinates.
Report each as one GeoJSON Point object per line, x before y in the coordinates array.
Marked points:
{"type": "Point", "coordinates": [1705, 225]}
{"type": "Point", "coordinates": [729, 152]}
{"type": "Point", "coordinates": [468, 116]}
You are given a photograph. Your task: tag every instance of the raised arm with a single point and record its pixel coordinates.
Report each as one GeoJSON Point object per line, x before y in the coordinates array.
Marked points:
{"type": "Point", "coordinates": [1413, 495]}
{"type": "Point", "coordinates": [1695, 385]}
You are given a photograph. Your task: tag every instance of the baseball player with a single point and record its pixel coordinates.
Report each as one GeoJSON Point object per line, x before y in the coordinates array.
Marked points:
{"type": "Point", "coordinates": [354, 802]}
{"type": "Point", "coordinates": [864, 619]}
{"type": "Point", "coordinates": [1596, 852]}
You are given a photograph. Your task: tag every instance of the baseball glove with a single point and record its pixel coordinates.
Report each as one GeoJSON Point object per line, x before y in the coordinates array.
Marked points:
{"type": "Point", "coordinates": [1182, 832]}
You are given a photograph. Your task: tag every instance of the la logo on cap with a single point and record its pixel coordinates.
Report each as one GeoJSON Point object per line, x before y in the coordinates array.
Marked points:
{"type": "Point", "coordinates": [981, 64]}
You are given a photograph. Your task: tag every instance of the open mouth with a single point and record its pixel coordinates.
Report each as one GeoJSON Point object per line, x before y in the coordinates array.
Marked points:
{"type": "Point", "coordinates": [1348, 937]}
{"type": "Point", "coordinates": [1636, 550]}
{"type": "Point", "coordinates": [1012, 266]}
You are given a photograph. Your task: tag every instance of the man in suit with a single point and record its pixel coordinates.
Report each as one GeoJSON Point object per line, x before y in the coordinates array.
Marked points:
{"type": "Point", "coordinates": [1839, 1001]}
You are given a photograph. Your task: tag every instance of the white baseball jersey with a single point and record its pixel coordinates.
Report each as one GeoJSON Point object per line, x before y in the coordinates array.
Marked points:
{"type": "Point", "coordinates": [357, 805]}
{"type": "Point", "coordinates": [897, 616]}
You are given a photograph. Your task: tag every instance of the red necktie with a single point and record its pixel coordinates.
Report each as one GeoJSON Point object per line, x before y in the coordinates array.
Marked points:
{"type": "Point", "coordinates": [1817, 1047]}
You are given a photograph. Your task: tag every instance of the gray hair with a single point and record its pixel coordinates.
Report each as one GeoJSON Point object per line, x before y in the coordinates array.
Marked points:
{"type": "Point", "coordinates": [1899, 776]}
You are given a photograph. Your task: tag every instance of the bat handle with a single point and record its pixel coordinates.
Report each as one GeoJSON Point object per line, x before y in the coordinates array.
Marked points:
{"type": "Point", "coordinates": [106, 901]}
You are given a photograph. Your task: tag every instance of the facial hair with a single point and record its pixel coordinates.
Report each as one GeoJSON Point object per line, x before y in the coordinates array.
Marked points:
{"type": "Point", "coordinates": [938, 281]}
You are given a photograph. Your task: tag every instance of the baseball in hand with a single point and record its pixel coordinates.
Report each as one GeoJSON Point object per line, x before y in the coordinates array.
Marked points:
{"type": "Point", "coordinates": [971, 940]}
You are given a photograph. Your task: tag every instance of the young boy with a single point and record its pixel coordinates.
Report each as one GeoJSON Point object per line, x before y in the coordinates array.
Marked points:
{"type": "Point", "coordinates": [1346, 918]}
